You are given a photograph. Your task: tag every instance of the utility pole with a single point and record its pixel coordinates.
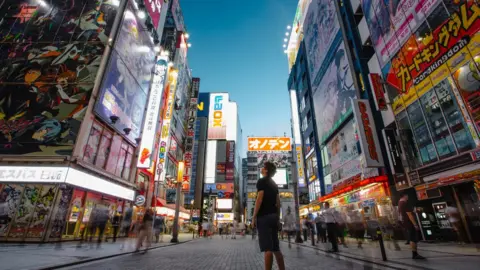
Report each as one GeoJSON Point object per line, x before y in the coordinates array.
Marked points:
{"type": "Point", "coordinates": [298, 237]}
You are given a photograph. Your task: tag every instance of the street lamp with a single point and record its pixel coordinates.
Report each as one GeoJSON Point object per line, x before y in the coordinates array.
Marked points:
{"type": "Point", "coordinates": [181, 167]}
{"type": "Point", "coordinates": [191, 218]}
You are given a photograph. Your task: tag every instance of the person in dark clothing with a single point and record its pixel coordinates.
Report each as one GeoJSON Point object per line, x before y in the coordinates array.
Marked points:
{"type": "Point", "coordinates": [331, 227]}
{"type": "Point", "coordinates": [266, 217]}
{"type": "Point", "coordinates": [158, 227]}
{"type": "Point", "coordinates": [115, 225]}
{"type": "Point", "coordinates": [407, 219]}
{"type": "Point", "coordinates": [145, 231]}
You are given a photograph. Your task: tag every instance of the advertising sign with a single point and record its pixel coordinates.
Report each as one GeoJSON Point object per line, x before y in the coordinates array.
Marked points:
{"type": "Point", "coordinates": [190, 138]}
{"type": "Point", "coordinates": [321, 29]}
{"type": "Point", "coordinates": [377, 87]}
{"type": "Point", "coordinates": [165, 131]}
{"type": "Point", "coordinates": [230, 165]}
{"type": "Point", "coordinates": [203, 104]}
{"type": "Point", "coordinates": [224, 216]}
{"type": "Point", "coordinates": [368, 134]}
{"type": "Point", "coordinates": [300, 167]}
{"type": "Point", "coordinates": [332, 96]}
{"type": "Point", "coordinates": [154, 7]}
{"type": "Point", "coordinates": [123, 94]}
{"type": "Point", "coordinates": [269, 144]}
{"type": "Point", "coordinates": [153, 108]}
{"type": "Point", "coordinates": [296, 34]}
{"type": "Point", "coordinates": [217, 128]}
{"type": "Point", "coordinates": [24, 174]}
{"type": "Point", "coordinates": [280, 159]}
{"type": "Point", "coordinates": [220, 167]}
{"type": "Point", "coordinates": [177, 15]}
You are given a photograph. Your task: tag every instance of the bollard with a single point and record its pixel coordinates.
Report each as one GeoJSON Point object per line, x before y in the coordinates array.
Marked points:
{"type": "Point", "coordinates": [382, 247]}
{"type": "Point", "coordinates": [313, 238]}
{"type": "Point", "coordinates": [193, 234]}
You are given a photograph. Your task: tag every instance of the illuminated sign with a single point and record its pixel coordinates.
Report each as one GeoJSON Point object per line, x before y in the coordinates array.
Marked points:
{"type": "Point", "coordinates": [154, 8]}
{"type": "Point", "coordinates": [368, 134]}
{"type": "Point", "coordinates": [190, 138]}
{"type": "Point", "coordinates": [224, 216]}
{"type": "Point", "coordinates": [376, 82]}
{"type": "Point", "coordinates": [286, 195]}
{"type": "Point", "coordinates": [224, 203]}
{"type": "Point", "coordinates": [252, 195]}
{"type": "Point", "coordinates": [300, 167]}
{"type": "Point", "coordinates": [230, 164]}
{"type": "Point", "coordinates": [269, 144]}
{"type": "Point", "coordinates": [217, 126]}
{"type": "Point", "coordinates": [151, 118]}
{"type": "Point", "coordinates": [165, 131]}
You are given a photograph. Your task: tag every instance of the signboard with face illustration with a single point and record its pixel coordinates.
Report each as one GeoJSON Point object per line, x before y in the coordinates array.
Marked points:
{"type": "Point", "coordinates": [333, 96]}
{"type": "Point", "coordinates": [123, 95]}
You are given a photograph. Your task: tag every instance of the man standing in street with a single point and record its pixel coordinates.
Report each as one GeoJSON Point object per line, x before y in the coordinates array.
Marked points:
{"type": "Point", "coordinates": [331, 227]}
{"type": "Point", "coordinates": [266, 217]}
{"type": "Point", "coordinates": [320, 223]}
{"type": "Point", "coordinates": [405, 214]}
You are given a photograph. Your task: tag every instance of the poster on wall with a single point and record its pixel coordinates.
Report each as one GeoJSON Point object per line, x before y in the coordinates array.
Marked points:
{"type": "Point", "coordinates": [25, 211]}
{"type": "Point", "coordinates": [60, 216]}
{"type": "Point", "coordinates": [333, 97]}
{"type": "Point", "coordinates": [279, 159]}
{"type": "Point", "coordinates": [43, 100]}
{"type": "Point", "coordinates": [321, 28]}
{"type": "Point", "coordinates": [154, 7]}
{"type": "Point", "coordinates": [42, 213]}
{"type": "Point", "coordinates": [123, 94]}
{"type": "Point", "coordinates": [10, 198]}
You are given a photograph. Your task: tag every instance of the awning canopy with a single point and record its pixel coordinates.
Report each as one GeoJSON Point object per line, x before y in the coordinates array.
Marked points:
{"type": "Point", "coordinates": [158, 202]}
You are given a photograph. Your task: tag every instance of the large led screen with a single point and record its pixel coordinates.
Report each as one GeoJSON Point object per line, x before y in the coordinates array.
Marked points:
{"type": "Point", "coordinates": [280, 178]}
{"type": "Point", "coordinates": [332, 98]}
{"type": "Point", "coordinates": [224, 203]}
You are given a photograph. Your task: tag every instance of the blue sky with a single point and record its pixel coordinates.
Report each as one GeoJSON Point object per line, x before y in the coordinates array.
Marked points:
{"type": "Point", "coordinates": [237, 48]}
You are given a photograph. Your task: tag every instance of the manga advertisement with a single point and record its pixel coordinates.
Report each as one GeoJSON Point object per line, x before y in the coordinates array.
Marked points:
{"type": "Point", "coordinates": [10, 198]}
{"type": "Point", "coordinates": [333, 97]}
{"type": "Point", "coordinates": [25, 211]}
{"type": "Point", "coordinates": [280, 159]}
{"type": "Point", "coordinates": [49, 59]}
{"type": "Point", "coordinates": [127, 80]}
{"type": "Point", "coordinates": [321, 28]}
{"type": "Point", "coordinates": [42, 212]}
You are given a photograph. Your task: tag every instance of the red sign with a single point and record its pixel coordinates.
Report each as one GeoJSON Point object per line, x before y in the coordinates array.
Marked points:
{"type": "Point", "coordinates": [376, 82]}
{"type": "Point", "coordinates": [154, 8]}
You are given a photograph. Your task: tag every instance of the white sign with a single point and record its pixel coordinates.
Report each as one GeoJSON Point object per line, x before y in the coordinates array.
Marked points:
{"type": "Point", "coordinates": [140, 200]}
{"type": "Point", "coordinates": [280, 178]}
{"type": "Point", "coordinates": [224, 204]}
{"type": "Point", "coordinates": [368, 133]}
{"type": "Point", "coordinates": [153, 108]}
{"type": "Point", "coordinates": [224, 216]}
{"type": "Point", "coordinates": [22, 174]}
{"type": "Point", "coordinates": [216, 120]}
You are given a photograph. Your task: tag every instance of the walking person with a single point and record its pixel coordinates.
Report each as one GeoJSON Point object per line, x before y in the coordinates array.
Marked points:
{"type": "Point", "coordinates": [220, 229]}
{"type": "Point", "coordinates": [115, 225]}
{"type": "Point", "coordinates": [331, 227]}
{"type": "Point", "coordinates": [266, 217]}
{"type": "Point", "coordinates": [289, 224]}
{"type": "Point", "coordinates": [158, 228]}
{"type": "Point", "coordinates": [340, 219]}
{"type": "Point", "coordinates": [305, 230]}
{"type": "Point", "coordinates": [234, 229]}
{"type": "Point", "coordinates": [357, 227]}
{"type": "Point", "coordinates": [145, 231]}
{"type": "Point", "coordinates": [407, 218]}
{"type": "Point", "coordinates": [320, 226]}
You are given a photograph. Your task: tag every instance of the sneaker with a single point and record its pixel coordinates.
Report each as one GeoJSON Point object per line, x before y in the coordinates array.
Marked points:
{"type": "Point", "coordinates": [418, 257]}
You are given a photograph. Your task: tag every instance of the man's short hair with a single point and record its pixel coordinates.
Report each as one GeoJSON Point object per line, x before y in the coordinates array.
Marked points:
{"type": "Point", "coordinates": [271, 168]}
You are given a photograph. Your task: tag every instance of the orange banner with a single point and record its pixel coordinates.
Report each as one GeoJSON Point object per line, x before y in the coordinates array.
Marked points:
{"type": "Point", "coordinates": [269, 144]}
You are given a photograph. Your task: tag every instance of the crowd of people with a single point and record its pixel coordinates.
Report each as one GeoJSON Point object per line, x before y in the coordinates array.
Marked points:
{"type": "Point", "coordinates": [225, 230]}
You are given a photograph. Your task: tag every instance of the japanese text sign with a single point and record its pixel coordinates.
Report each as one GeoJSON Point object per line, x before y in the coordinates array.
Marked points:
{"type": "Point", "coordinates": [269, 144]}
{"type": "Point", "coordinates": [190, 138]}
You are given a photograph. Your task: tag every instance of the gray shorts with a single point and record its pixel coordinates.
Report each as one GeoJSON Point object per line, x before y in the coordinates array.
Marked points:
{"type": "Point", "coordinates": [267, 227]}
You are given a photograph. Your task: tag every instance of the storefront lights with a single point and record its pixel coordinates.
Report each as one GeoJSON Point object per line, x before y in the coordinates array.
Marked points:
{"type": "Point", "coordinates": [141, 14]}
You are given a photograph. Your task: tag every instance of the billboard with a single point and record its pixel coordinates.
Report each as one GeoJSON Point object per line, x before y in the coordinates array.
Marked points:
{"type": "Point", "coordinates": [279, 158]}
{"type": "Point", "coordinates": [211, 162]}
{"type": "Point", "coordinates": [280, 178]}
{"type": "Point", "coordinates": [45, 87]}
{"type": "Point", "coordinates": [153, 108]}
{"type": "Point", "coordinates": [368, 134]}
{"type": "Point", "coordinates": [178, 15]}
{"type": "Point", "coordinates": [154, 7]}
{"type": "Point", "coordinates": [171, 87]}
{"type": "Point", "coordinates": [269, 144]}
{"type": "Point", "coordinates": [322, 28]}
{"type": "Point", "coordinates": [230, 164]}
{"type": "Point", "coordinates": [296, 34]}
{"type": "Point", "coordinates": [203, 104]}
{"type": "Point", "coordinates": [190, 138]}
{"type": "Point", "coordinates": [333, 97]}
{"type": "Point", "coordinates": [224, 203]}
{"type": "Point", "coordinates": [300, 166]}
{"type": "Point", "coordinates": [123, 93]}
{"type": "Point", "coordinates": [217, 127]}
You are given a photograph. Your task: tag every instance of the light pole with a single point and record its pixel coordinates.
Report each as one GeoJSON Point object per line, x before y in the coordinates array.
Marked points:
{"type": "Point", "coordinates": [298, 237]}
{"type": "Point", "coordinates": [191, 218]}
{"type": "Point", "coordinates": [181, 166]}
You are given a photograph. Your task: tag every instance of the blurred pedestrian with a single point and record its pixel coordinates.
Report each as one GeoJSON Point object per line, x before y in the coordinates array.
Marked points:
{"type": "Point", "coordinates": [115, 225]}
{"type": "Point", "coordinates": [331, 227]}
{"type": "Point", "coordinates": [321, 228]}
{"type": "Point", "coordinates": [206, 228]}
{"type": "Point", "coordinates": [407, 218]}
{"type": "Point", "coordinates": [289, 223]}
{"type": "Point", "coordinates": [220, 229]}
{"type": "Point", "coordinates": [234, 229]}
{"type": "Point", "coordinates": [145, 231]}
{"type": "Point", "coordinates": [341, 220]}
{"type": "Point", "coordinates": [158, 228]}
{"type": "Point", "coordinates": [357, 227]}
{"type": "Point", "coordinates": [267, 217]}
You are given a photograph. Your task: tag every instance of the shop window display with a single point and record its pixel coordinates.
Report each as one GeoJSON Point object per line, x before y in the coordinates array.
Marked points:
{"type": "Point", "coordinates": [75, 215]}
{"type": "Point", "coordinates": [61, 211]}
{"type": "Point", "coordinates": [422, 136]}
{"type": "Point", "coordinates": [438, 126]}
{"type": "Point", "coordinates": [25, 211]}
{"type": "Point", "coordinates": [42, 213]}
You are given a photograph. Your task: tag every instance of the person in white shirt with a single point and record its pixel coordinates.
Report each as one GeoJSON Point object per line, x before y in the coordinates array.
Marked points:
{"type": "Point", "coordinates": [206, 229]}
{"type": "Point", "coordinates": [320, 226]}
{"type": "Point", "coordinates": [332, 230]}
{"type": "Point", "coordinates": [234, 229]}
{"type": "Point", "coordinates": [340, 218]}
{"type": "Point", "coordinates": [289, 223]}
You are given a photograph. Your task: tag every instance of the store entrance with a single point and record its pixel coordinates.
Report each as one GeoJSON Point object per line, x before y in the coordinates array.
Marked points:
{"type": "Point", "coordinates": [470, 203]}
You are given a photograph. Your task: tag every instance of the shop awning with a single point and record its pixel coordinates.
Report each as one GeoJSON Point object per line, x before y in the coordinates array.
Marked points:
{"type": "Point", "coordinates": [456, 173]}
{"type": "Point", "coordinates": [355, 186]}
{"type": "Point", "coordinates": [159, 202]}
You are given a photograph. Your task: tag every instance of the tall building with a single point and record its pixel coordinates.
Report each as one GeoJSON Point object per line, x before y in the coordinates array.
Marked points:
{"type": "Point", "coordinates": [279, 151]}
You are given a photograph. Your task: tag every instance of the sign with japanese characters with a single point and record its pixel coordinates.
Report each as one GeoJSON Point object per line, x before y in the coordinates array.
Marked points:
{"type": "Point", "coordinates": [377, 87]}
{"type": "Point", "coordinates": [368, 133]}
{"type": "Point", "coordinates": [25, 174]}
{"type": "Point", "coordinates": [230, 164]}
{"type": "Point", "coordinates": [160, 173]}
{"type": "Point", "coordinates": [151, 118]}
{"type": "Point", "coordinates": [154, 7]}
{"type": "Point", "coordinates": [300, 166]}
{"type": "Point", "coordinates": [217, 127]}
{"type": "Point", "coordinates": [190, 138]}
{"type": "Point", "coordinates": [269, 144]}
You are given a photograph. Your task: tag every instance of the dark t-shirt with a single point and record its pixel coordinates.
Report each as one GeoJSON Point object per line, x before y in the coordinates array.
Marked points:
{"type": "Point", "coordinates": [403, 208]}
{"type": "Point", "coordinates": [270, 192]}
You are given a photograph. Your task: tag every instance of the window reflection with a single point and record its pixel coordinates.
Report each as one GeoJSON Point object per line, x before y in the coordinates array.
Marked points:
{"type": "Point", "coordinates": [406, 137]}
{"type": "Point", "coordinates": [419, 128]}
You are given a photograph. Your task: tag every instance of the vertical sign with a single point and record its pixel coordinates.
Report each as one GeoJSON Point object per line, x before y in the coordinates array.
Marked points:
{"type": "Point", "coordinates": [368, 133]}
{"type": "Point", "coordinates": [300, 172]}
{"type": "Point", "coordinates": [190, 138]}
{"type": "Point", "coordinates": [154, 7]}
{"type": "Point", "coordinates": [376, 83]}
{"type": "Point", "coordinates": [217, 129]}
{"type": "Point", "coordinates": [230, 166]}
{"type": "Point", "coordinates": [153, 108]}
{"type": "Point", "coordinates": [165, 131]}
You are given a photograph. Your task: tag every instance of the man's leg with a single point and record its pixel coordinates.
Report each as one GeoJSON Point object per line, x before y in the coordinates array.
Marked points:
{"type": "Point", "coordinates": [279, 259]}
{"type": "Point", "coordinates": [268, 256]}
{"type": "Point", "coordinates": [332, 236]}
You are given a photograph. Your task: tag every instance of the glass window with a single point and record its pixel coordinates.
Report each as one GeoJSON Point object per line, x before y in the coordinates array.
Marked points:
{"type": "Point", "coordinates": [407, 140]}
{"type": "Point", "coordinates": [104, 149]}
{"type": "Point", "coordinates": [438, 126]}
{"type": "Point", "coordinates": [422, 136]}
{"type": "Point", "coordinates": [455, 120]}
{"type": "Point", "coordinates": [91, 148]}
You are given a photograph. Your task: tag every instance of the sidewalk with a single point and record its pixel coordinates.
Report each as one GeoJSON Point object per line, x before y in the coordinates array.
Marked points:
{"type": "Point", "coordinates": [440, 256]}
{"type": "Point", "coordinates": [41, 256]}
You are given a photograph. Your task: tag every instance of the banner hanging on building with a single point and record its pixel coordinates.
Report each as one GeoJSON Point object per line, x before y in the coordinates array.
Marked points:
{"type": "Point", "coordinates": [300, 168]}
{"type": "Point", "coordinates": [190, 138]}
{"type": "Point", "coordinates": [230, 166]}
{"type": "Point", "coordinates": [217, 127]}
{"type": "Point", "coordinates": [368, 133]}
{"type": "Point", "coordinates": [151, 118]}
{"type": "Point", "coordinates": [269, 144]}
{"type": "Point", "coordinates": [377, 85]}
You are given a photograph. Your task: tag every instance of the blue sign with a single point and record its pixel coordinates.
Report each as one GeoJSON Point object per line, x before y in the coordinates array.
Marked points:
{"type": "Point", "coordinates": [220, 194]}
{"type": "Point", "coordinates": [203, 104]}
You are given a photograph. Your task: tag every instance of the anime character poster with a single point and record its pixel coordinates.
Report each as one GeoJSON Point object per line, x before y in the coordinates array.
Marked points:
{"type": "Point", "coordinates": [126, 84]}
{"type": "Point", "coordinates": [25, 211]}
{"type": "Point", "coordinates": [42, 212]}
{"type": "Point", "coordinates": [320, 29]}
{"type": "Point", "coordinates": [49, 59]}
{"type": "Point", "coordinates": [279, 159]}
{"type": "Point", "coordinates": [10, 198]}
{"type": "Point", "coordinates": [333, 96]}
{"type": "Point", "coordinates": [343, 147]}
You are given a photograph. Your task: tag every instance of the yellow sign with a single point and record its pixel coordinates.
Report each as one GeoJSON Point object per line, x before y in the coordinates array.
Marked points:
{"type": "Point", "coordinates": [286, 195]}
{"type": "Point", "coordinates": [200, 106]}
{"type": "Point", "coordinates": [252, 195]}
